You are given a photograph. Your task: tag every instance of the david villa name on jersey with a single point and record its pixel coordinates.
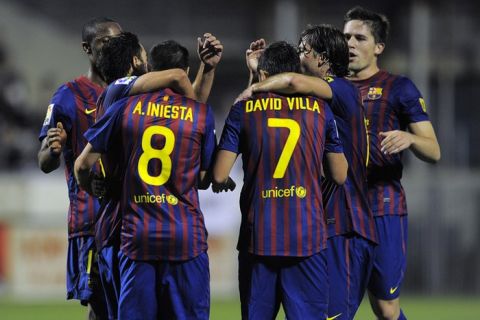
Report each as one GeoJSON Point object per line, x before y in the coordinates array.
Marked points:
{"type": "Point", "coordinates": [293, 103]}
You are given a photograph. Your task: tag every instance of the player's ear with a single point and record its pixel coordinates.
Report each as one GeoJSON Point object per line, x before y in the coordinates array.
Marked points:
{"type": "Point", "coordinates": [379, 47]}
{"type": "Point", "coordinates": [86, 47]}
{"type": "Point", "coordinates": [136, 61]}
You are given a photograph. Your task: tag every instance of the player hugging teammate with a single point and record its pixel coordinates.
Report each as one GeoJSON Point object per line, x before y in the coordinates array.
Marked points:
{"type": "Point", "coordinates": [321, 134]}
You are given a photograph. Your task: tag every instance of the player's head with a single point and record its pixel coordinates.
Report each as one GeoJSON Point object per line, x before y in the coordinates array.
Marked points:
{"type": "Point", "coordinates": [366, 32]}
{"type": "Point", "coordinates": [122, 56]}
{"type": "Point", "coordinates": [168, 55]}
{"type": "Point", "coordinates": [277, 58]}
{"type": "Point", "coordinates": [323, 50]}
{"type": "Point", "coordinates": [96, 33]}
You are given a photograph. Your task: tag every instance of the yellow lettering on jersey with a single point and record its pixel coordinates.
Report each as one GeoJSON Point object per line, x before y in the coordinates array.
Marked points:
{"type": "Point", "coordinates": [249, 106]}
{"type": "Point", "coordinates": [263, 104]}
{"type": "Point", "coordinates": [138, 108]}
{"type": "Point", "coordinates": [168, 111]}
{"type": "Point", "coordinates": [297, 103]}
{"type": "Point", "coordinates": [188, 115]}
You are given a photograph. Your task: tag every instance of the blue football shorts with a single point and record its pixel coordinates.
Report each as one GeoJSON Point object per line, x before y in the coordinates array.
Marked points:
{"type": "Point", "coordinates": [300, 284]}
{"type": "Point", "coordinates": [152, 290]}
{"type": "Point", "coordinates": [350, 261]}
{"type": "Point", "coordinates": [390, 257]}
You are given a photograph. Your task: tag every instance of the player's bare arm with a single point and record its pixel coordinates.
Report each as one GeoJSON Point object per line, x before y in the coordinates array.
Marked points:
{"type": "Point", "coordinates": [210, 51]}
{"type": "Point", "coordinates": [224, 162]}
{"type": "Point", "coordinates": [252, 55]}
{"type": "Point", "coordinates": [336, 167]}
{"type": "Point", "coordinates": [421, 140]}
{"type": "Point", "coordinates": [176, 79]}
{"type": "Point", "coordinates": [51, 148]}
{"type": "Point", "coordinates": [289, 83]}
{"type": "Point", "coordinates": [83, 170]}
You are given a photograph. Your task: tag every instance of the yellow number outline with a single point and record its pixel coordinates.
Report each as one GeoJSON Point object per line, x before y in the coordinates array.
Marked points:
{"type": "Point", "coordinates": [150, 153]}
{"type": "Point", "coordinates": [290, 144]}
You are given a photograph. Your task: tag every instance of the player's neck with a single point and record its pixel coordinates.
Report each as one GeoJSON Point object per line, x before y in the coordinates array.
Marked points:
{"type": "Point", "coordinates": [95, 77]}
{"type": "Point", "coordinates": [364, 73]}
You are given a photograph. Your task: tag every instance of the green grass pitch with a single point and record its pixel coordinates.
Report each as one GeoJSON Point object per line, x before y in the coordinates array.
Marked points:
{"type": "Point", "coordinates": [416, 307]}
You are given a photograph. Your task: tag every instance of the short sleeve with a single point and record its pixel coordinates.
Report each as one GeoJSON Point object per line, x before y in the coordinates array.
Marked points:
{"type": "Point", "coordinates": [230, 139]}
{"type": "Point", "coordinates": [209, 141]}
{"type": "Point", "coordinates": [117, 90]}
{"type": "Point", "coordinates": [59, 110]}
{"type": "Point", "coordinates": [332, 140]}
{"type": "Point", "coordinates": [412, 107]}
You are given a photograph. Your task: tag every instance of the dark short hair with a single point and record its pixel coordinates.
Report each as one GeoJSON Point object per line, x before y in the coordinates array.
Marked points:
{"type": "Point", "coordinates": [331, 44]}
{"type": "Point", "coordinates": [90, 29]}
{"type": "Point", "coordinates": [279, 57]}
{"type": "Point", "coordinates": [168, 55]}
{"type": "Point", "coordinates": [116, 56]}
{"type": "Point", "coordinates": [378, 23]}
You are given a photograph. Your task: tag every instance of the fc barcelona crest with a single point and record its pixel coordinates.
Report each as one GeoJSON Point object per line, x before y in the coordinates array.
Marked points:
{"type": "Point", "coordinates": [374, 93]}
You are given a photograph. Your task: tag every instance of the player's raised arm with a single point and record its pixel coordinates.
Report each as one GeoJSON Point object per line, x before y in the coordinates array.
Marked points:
{"type": "Point", "coordinates": [51, 148]}
{"type": "Point", "coordinates": [252, 55]}
{"type": "Point", "coordinates": [209, 51]}
{"type": "Point", "coordinates": [289, 83]}
{"type": "Point", "coordinates": [176, 79]}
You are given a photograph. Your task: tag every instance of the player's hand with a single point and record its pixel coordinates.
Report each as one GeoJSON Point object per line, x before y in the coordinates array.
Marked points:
{"type": "Point", "coordinates": [246, 94]}
{"type": "Point", "coordinates": [395, 141]}
{"type": "Point", "coordinates": [98, 185]}
{"type": "Point", "coordinates": [209, 50]}
{"type": "Point", "coordinates": [226, 186]}
{"type": "Point", "coordinates": [253, 53]}
{"type": "Point", "coordinates": [56, 138]}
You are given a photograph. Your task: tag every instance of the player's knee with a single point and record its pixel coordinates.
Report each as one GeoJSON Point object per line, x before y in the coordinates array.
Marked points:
{"type": "Point", "coordinates": [388, 310]}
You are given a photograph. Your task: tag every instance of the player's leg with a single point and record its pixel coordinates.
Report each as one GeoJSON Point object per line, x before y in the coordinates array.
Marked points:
{"type": "Point", "coordinates": [110, 277]}
{"type": "Point", "coordinates": [304, 286]}
{"type": "Point", "coordinates": [361, 257]}
{"type": "Point", "coordinates": [389, 267]}
{"type": "Point", "coordinates": [83, 281]}
{"type": "Point", "coordinates": [259, 295]}
{"type": "Point", "coordinates": [186, 287]}
{"type": "Point", "coordinates": [138, 300]}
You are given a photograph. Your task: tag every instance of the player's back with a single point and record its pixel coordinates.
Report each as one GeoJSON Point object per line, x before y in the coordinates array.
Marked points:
{"type": "Point", "coordinates": [164, 141]}
{"type": "Point", "coordinates": [347, 206]}
{"type": "Point", "coordinates": [391, 103]}
{"type": "Point", "coordinates": [282, 146]}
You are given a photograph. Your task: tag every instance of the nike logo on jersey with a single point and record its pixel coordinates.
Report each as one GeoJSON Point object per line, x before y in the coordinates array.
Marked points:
{"type": "Point", "coordinates": [89, 111]}
{"type": "Point", "coordinates": [334, 317]}
{"type": "Point", "coordinates": [392, 290]}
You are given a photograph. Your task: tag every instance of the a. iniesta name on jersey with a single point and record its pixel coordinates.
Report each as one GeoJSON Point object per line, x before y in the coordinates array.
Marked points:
{"type": "Point", "coordinates": [164, 111]}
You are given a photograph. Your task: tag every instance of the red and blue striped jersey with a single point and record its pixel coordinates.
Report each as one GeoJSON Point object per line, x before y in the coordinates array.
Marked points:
{"type": "Point", "coordinates": [74, 105]}
{"type": "Point", "coordinates": [282, 140]}
{"type": "Point", "coordinates": [346, 206]}
{"type": "Point", "coordinates": [391, 103]}
{"type": "Point", "coordinates": [166, 140]}
{"type": "Point", "coordinates": [107, 229]}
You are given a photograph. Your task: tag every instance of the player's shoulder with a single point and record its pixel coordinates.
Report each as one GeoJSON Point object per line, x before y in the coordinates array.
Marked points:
{"type": "Point", "coordinates": [64, 95]}
{"type": "Point", "coordinates": [399, 80]}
